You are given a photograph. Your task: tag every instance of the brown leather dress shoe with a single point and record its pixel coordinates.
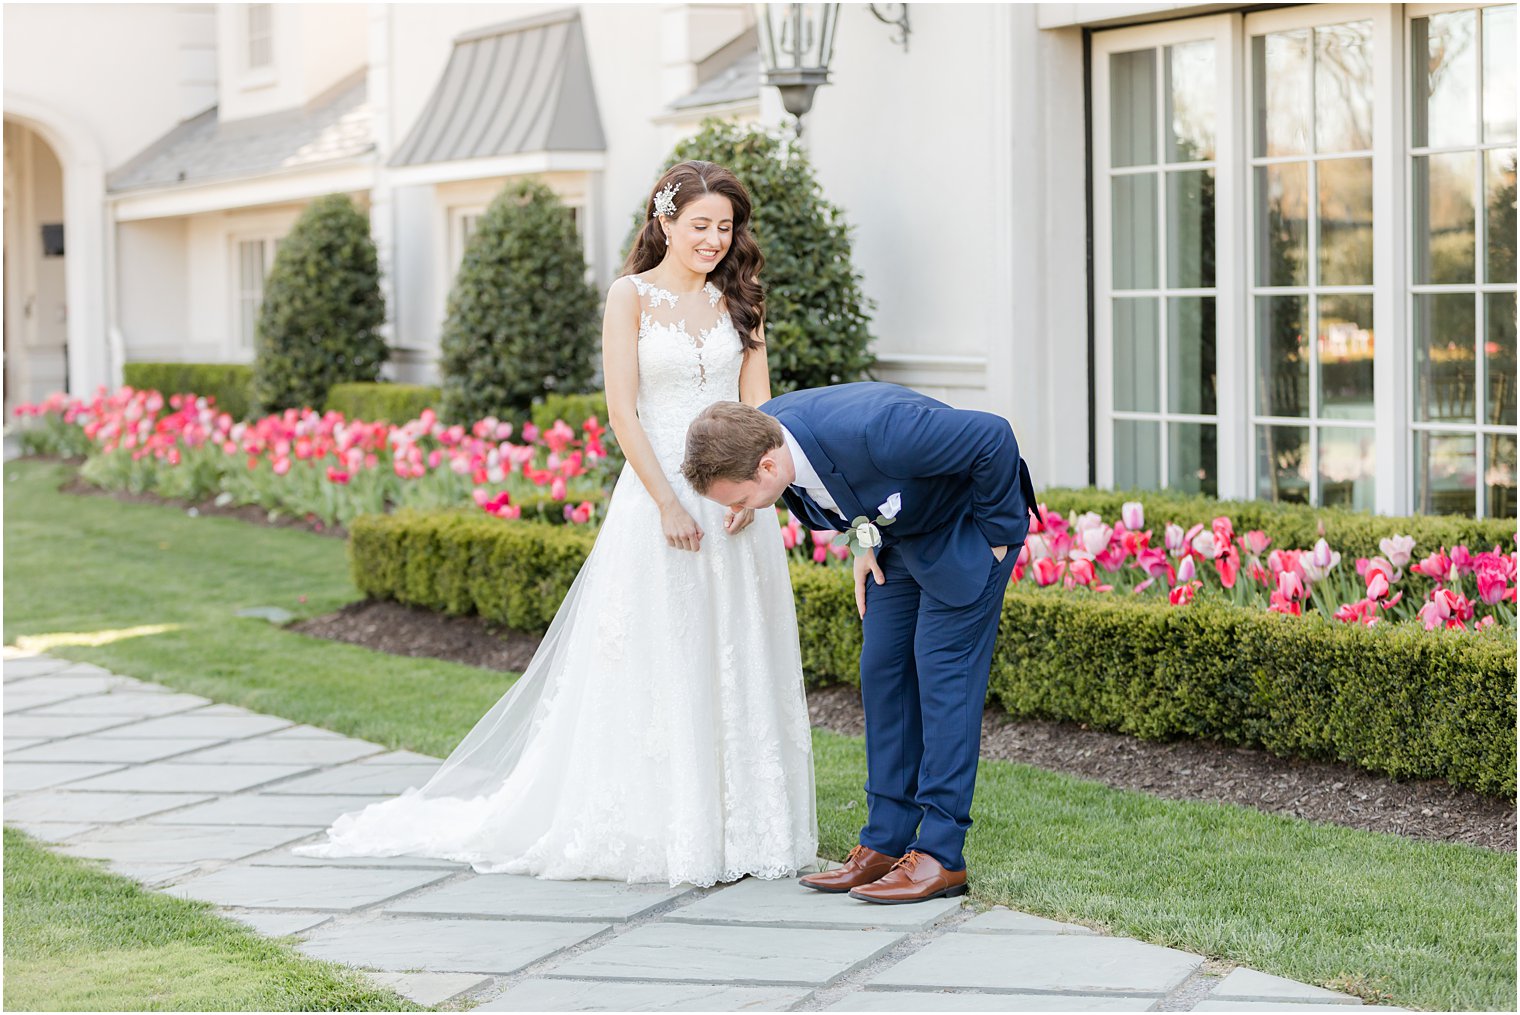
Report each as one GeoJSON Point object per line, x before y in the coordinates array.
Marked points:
{"type": "Point", "coordinates": [915, 878]}
{"type": "Point", "coordinates": [861, 867]}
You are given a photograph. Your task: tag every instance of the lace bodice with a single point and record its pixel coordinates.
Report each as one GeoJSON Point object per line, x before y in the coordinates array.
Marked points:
{"type": "Point", "coordinates": [689, 357]}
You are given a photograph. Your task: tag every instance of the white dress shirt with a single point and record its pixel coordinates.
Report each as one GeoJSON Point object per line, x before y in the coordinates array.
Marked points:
{"type": "Point", "coordinates": [807, 477]}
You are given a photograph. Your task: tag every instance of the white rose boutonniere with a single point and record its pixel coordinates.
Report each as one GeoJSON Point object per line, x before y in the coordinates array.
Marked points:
{"type": "Point", "coordinates": [864, 534]}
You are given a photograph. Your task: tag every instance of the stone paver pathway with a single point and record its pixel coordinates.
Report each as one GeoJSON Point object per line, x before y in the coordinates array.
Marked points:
{"type": "Point", "coordinates": [205, 802]}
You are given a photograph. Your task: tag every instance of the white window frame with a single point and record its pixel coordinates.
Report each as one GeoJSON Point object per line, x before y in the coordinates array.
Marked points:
{"type": "Point", "coordinates": [255, 75]}
{"type": "Point", "coordinates": [1479, 429]}
{"type": "Point", "coordinates": [463, 220]}
{"type": "Point", "coordinates": [1235, 222]}
{"type": "Point", "coordinates": [1390, 486]}
{"type": "Point", "coordinates": [1229, 411]}
{"type": "Point", "coordinates": [243, 341]}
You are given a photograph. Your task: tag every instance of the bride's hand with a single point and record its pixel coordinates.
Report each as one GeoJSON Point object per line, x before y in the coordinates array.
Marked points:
{"type": "Point", "coordinates": [735, 522]}
{"type": "Point", "coordinates": [681, 530]}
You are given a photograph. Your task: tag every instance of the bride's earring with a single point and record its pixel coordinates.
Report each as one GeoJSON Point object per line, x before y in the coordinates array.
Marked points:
{"type": "Point", "coordinates": [667, 239]}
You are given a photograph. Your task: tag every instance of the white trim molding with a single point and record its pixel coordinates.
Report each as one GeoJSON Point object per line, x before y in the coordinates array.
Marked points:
{"type": "Point", "coordinates": [248, 192]}
{"type": "Point", "coordinates": [524, 164]}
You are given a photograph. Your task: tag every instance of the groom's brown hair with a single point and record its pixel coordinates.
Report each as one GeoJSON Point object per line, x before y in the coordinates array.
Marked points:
{"type": "Point", "coordinates": [727, 441]}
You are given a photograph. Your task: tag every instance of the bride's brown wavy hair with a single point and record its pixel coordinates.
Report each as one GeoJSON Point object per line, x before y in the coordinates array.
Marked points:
{"type": "Point", "coordinates": [737, 276]}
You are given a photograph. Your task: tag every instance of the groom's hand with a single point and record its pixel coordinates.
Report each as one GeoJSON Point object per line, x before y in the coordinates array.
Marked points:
{"type": "Point", "coordinates": [866, 563]}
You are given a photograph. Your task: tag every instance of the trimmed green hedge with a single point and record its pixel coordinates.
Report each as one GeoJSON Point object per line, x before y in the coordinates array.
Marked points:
{"type": "Point", "coordinates": [228, 383]}
{"type": "Point", "coordinates": [376, 400]}
{"type": "Point", "coordinates": [464, 561]}
{"type": "Point", "coordinates": [574, 409]}
{"type": "Point", "coordinates": [1292, 526]}
{"type": "Point", "coordinates": [1403, 701]}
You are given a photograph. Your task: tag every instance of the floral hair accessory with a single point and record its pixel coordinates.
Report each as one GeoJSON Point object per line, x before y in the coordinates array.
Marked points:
{"type": "Point", "coordinates": [665, 200]}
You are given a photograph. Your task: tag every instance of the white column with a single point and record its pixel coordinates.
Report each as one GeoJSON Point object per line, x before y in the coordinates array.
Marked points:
{"type": "Point", "coordinates": [382, 215]}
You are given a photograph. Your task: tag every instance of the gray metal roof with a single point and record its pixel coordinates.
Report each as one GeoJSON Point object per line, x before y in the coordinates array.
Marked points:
{"type": "Point", "coordinates": [336, 126]}
{"type": "Point", "coordinates": [730, 74]}
{"type": "Point", "coordinates": [524, 86]}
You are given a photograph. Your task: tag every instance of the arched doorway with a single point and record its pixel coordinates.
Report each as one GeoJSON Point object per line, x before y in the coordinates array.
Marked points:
{"type": "Point", "coordinates": [36, 274]}
{"type": "Point", "coordinates": [56, 330]}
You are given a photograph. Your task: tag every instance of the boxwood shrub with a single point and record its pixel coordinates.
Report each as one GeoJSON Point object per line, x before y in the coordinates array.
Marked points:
{"type": "Point", "coordinates": [1398, 700]}
{"type": "Point", "coordinates": [228, 383]}
{"type": "Point", "coordinates": [376, 400]}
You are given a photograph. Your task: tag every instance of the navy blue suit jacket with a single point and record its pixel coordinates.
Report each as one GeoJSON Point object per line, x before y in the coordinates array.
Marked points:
{"type": "Point", "coordinates": [964, 487]}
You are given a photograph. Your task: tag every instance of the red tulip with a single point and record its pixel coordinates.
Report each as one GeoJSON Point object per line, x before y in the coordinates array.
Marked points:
{"type": "Point", "coordinates": [1183, 594]}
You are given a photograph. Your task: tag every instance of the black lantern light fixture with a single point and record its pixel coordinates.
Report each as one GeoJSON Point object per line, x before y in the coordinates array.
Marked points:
{"type": "Point", "coordinates": [797, 43]}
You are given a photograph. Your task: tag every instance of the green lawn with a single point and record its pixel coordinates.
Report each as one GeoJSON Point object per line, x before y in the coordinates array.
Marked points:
{"type": "Point", "coordinates": [150, 592]}
{"type": "Point", "coordinates": [79, 939]}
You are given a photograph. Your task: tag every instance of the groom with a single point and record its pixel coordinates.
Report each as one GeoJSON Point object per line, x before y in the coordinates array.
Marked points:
{"type": "Point", "coordinates": [948, 499]}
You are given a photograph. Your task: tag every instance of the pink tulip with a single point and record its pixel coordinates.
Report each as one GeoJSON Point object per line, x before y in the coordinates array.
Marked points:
{"type": "Point", "coordinates": [1461, 560]}
{"type": "Point", "coordinates": [1133, 515]}
{"type": "Point", "coordinates": [1484, 624]}
{"type": "Point", "coordinates": [1317, 564]}
{"type": "Point", "coordinates": [1256, 542]}
{"type": "Point", "coordinates": [1046, 571]}
{"type": "Point", "coordinates": [1203, 545]}
{"type": "Point", "coordinates": [557, 489]}
{"type": "Point", "coordinates": [1491, 586]}
{"type": "Point", "coordinates": [1187, 570]}
{"type": "Point", "coordinates": [337, 475]}
{"type": "Point", "coordinates": [281, 466]}
{"type": "Point", "coordinates": [1289, 586]}
{"type": "Point", "coordinates": [529, 433]}
{"type": "Point", "coordinates": [1080, 572]}
{"type": "Point", "coordinates": [820, 553]}
{"type": "Point", "coordinates": [840, 552]}
{"type": "Point", "coordinates": [1377, 584]}
{"type": "Point", "coordinates": [480, 496]}
{"type": "Point", "coordinates": [1397, 549]}
{"type": "Point", "coordinates": [1095, 538]}
{"type": "Point", "coordinates": [1175, 541]}
{"type": "Point", "coordinates": [1437, 565]}
{"type": "Point", "coordinates": [1224, 534]}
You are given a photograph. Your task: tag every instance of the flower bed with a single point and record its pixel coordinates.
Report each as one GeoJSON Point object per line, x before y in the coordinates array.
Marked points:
{"type": "Point", "coordinates": [1392, 699]}
{"type": "Point", "coordinates": [321, 465]}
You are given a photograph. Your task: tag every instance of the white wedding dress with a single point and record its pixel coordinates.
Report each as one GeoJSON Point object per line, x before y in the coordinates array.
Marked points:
{"type": "Point", "coordinates": [660, 732]}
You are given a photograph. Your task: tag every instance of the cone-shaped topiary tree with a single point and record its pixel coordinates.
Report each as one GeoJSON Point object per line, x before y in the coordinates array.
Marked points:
{"type": "Point", "coordinates": [817, 320]}
{"type": "Point", "coordinates": [522, 321]}
{"type": "Point", "coordinates": [322, 310]}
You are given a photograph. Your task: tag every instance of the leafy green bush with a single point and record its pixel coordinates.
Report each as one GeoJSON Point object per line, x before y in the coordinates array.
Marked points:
{"type": "Point", "coordinates": [228, 383]}
{"type": "Point", "coordinates": [396, 403]}
{"type": "Point", "coordinates": [522, 321]}
{"type": "Point", "coordinates": [1400, 700]}
{"type": "Point", "coordinates": [817, 319]}
{"type": "Point", "coordinates": [1291, 526]}
{"type": "Point", "coordinates": [514, 573]}
{"type": "Point", "coordinates": [322, 310]}
{"type": "Point", "coordinates": [573, 409]}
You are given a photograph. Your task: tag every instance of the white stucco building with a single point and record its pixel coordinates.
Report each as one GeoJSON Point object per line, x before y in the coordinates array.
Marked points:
{"type": "Point", "coordinates": [1258, 253]}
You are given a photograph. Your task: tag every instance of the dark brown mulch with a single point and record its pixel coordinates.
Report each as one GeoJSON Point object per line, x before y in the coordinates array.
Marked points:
{"type": "Point", "coordinates": [412, 631]}
{"type": "Point", "coordinates": [1181, 770]}
{"type": "Point", "coordinates": [247, 512]}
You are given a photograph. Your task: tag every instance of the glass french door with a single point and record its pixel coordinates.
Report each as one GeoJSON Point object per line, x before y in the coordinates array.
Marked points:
{"type": "Point", "coordinates": [1164, 196]}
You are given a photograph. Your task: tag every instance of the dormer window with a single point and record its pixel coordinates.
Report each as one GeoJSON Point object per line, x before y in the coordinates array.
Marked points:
{"type": "Point", "coordinates": [259, 32]}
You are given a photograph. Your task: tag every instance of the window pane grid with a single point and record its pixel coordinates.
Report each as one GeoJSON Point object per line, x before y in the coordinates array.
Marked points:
{"type": "Point", "coordinates": [1322, 318]}
{"type": "Point", "coordinates": [1150, 439]}
{"type": "Point", "coordinates": [1462, 449]}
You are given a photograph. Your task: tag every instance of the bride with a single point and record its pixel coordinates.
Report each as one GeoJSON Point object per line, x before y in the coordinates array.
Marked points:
{"type": "Point", "coordinates": [660, 732]}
